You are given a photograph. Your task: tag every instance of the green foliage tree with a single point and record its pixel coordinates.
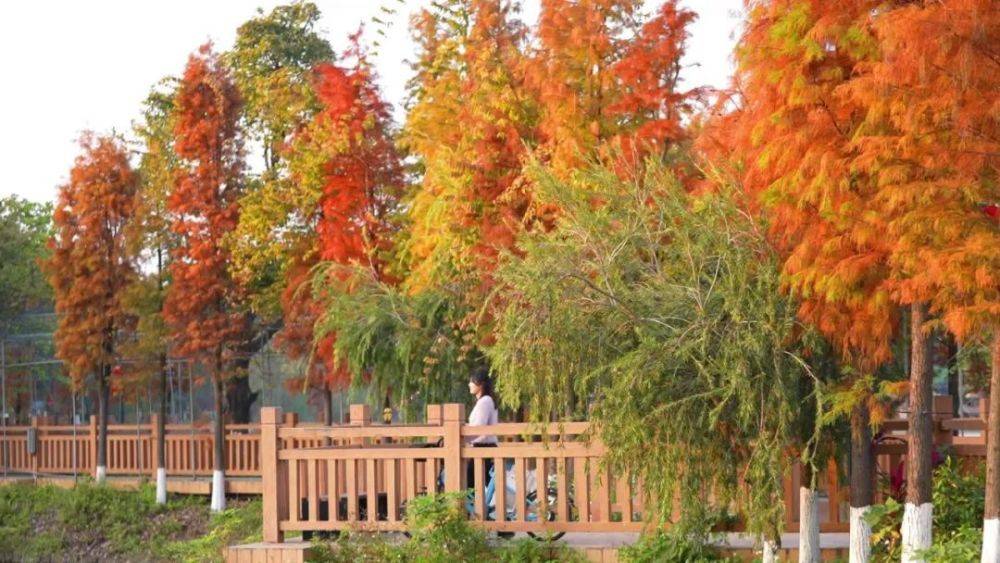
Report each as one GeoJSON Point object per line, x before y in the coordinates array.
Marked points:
{"type": "Point", "coordinates": [150, 240]}
{"type": "Point", "coordinates": [659, 315]}
{"type": "Point", "coordinates": [272, 64]}
{"type": "Point", "coordinates": [25, 227]}
{"type": "Point", "coordinates": [272, 61]}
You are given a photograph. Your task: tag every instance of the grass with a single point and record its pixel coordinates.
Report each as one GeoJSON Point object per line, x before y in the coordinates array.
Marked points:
{"type": "Point", "coordinates": [41, 523]}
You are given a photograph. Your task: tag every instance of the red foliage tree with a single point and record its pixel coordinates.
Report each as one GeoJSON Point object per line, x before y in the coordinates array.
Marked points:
{"type": "Point", "coordinates": [91, 266]}
{"type": "Point", "coordinates": [347, 153]}
{"type": "Point", "coordinates": [201, 306]}
{"type": "Point", "coordinates": [651, 106]}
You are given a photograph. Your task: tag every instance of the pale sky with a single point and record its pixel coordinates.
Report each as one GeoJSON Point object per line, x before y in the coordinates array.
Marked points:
{"type": "Point", "coordinates": [73, 65]}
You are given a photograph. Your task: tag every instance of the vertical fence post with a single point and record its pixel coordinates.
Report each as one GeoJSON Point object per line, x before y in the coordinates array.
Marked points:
{"type": "Point", "coordinates": [154, 443]}
{"type": "Point", "coordinates": [434, 415]}
{"type": "Point", "coordinates": [34, 446]}
{"type": "Point", "coordinates": [452, 415]}
{"type": "Point", "coordinates": [93, 446]}
{"type": "Point", "coordinates": [360, 415]}
{"type": "Point", "coordinates": [270, 489]}
{"type": "Point", "coordinates": [355, 476]}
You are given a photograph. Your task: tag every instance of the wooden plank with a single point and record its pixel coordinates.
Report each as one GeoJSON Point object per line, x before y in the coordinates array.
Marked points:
{"type": "Point", "coordinates": [332, 491]}
{"type": "Point", "coordinates": [312, 494]}
{"type": "Point", "coordinates": [352, 491]}
{"type": "Point", "coordinates": [562, 491]}
{"type": "Point", "coordinates": [581, 470]}
{"type": "Point", "coordinates": [500, 488]}
{"type": "Point", "coordinates": [362, 453]}
{"type": "Point", "coordinates": [391, 496]}
{"type": "Point", "coordinates": [432, 433]}
{"type": "Point", "coordinates": [409, 478]}
{"type": "Point", "coordinates": [295, 503]}
{"type": "Point", "coordinates": [541, 486]}
{"type": "Point", "coordinates": [519, 493]}
{"type": "Point", "coordinates": [479, 500]}
{"type": "Point", "coordinates": [430, 476]}
{"type": "Point", "coordinates": [371, 490]}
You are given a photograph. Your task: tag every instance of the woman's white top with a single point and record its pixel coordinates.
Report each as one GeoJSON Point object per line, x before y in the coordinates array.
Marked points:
{"type": "Point", "coordinates": [484, 414]}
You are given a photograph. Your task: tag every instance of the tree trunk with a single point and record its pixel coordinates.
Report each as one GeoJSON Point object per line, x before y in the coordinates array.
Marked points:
{"type": "Point", "coordinates": [862, 463]}
{"type": "Point", "coordinates": [951, 348]}
{"type": "Point", "coordinates": [991, 515]}
{"type": "Point", "coordinates": [161, 431]}
{"type": "Point", "coordinates": [219, 461]}
{"type": "Point", "coordinates": [769, 550]}
{"type": "Point", "coordinates": [328, 406]}
{"type": "Point", "coordinates": [239, 397]}
{"type": "Point", "coordinates": [808, 518]}
{"type": "Point", "coordinates": [808, 509]}
{"type": "Point", "coordinates": [917, 514]}
{"type": "Point", "coordinates": [103, 400]}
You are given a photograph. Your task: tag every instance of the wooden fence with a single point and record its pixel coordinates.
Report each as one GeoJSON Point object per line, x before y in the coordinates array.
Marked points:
{"type": "Point", "coordinates": [57, 450]}
{"type": "Point", "coordinates": [362, 475]}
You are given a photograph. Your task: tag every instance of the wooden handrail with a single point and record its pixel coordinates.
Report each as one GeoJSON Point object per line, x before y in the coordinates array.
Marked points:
{"type": "Point", "coordinates": [315, 476]}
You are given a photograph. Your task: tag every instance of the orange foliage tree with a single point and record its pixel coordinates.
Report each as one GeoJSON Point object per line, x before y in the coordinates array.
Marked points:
{"type": "Point", "coordinates": [571, 71]}
{"type": "Point", "coordinates": [201, 306]}
{"type": "Point", "coordinates": [469, 125]}
{"type": "Point", "coordinates": [931, 140]}
{"type": "Point", "coordinates": [793, 129]}
{"type": "Point", "coordinates": [90, 267]}
{"type": "Point", "coordinates": [345, 159]}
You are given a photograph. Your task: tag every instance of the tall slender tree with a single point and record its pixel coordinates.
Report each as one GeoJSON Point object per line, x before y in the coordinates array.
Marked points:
{"type": "Point", "coordinates": [932, 141]}
{"type": "Point", "coordinates": [571, 71]}
{"type": "Point", "coordinates": [202, 306]}
{"type": "Point", "coordinates": [272, 61]}
{"type": "Point", "coordinates": [150, 240]}
{"type": "Point", "coordinates": [793, 129]}
{"type": "Point", "coordinates": [350, 178]}
{"type": "Point", "coordinates": [652, 105]}
{"type": "Point", "coordinates": [90, 268]}
{"type": "Point", "coordinates": [471, 118]}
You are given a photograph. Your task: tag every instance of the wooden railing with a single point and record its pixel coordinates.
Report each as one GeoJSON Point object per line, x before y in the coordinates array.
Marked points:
{"type": "Point", "coordinates": [44, 449]}
{"type": "Point", "coordinates": [362, 475]}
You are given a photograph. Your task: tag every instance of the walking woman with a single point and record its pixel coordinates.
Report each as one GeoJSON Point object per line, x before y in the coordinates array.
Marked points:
{"type": "Point", "coordinates": [483, 414]}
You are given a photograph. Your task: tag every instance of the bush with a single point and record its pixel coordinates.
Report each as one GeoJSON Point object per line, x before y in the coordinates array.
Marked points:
{"type": "Point", "coordinates": [439, 532]}
{"type": "Point", "coordinates": [958, 498]}
{"type": "Point", "coordinates": [671, 547]}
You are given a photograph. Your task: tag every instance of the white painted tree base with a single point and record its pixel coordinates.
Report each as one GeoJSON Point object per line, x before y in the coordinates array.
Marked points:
{"type": "Point", "coordinates": [769, 554]}
{"type": "Point", "coordinates": [991, 541]}
{"type": "Point", "coordinates": [808, 526]}
{"type": "Point", "coordinates": [916, 532]}
{"type": "Point", "coordinates": [102, 473]}
{"type": "Point", "coordinates": [161, 485]}
{"type": "Point", "coordinates": [218, 491]}
{"type": "Point", "coordinates": [861, 536]}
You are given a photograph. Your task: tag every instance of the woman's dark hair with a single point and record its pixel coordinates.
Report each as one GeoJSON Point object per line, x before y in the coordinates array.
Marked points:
{"type": "Point", "coordinates": [481, 377]}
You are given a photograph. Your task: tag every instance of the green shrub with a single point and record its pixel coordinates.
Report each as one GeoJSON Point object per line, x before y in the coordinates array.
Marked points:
{"type": "Point", "coordinates": [439, 532]}
{"type": "Point", "coordinates": [958, 498]}
{"type": "Point", "coordinates": [671, 547]}
{"type": "Point", "coordinates": [533, 551]}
